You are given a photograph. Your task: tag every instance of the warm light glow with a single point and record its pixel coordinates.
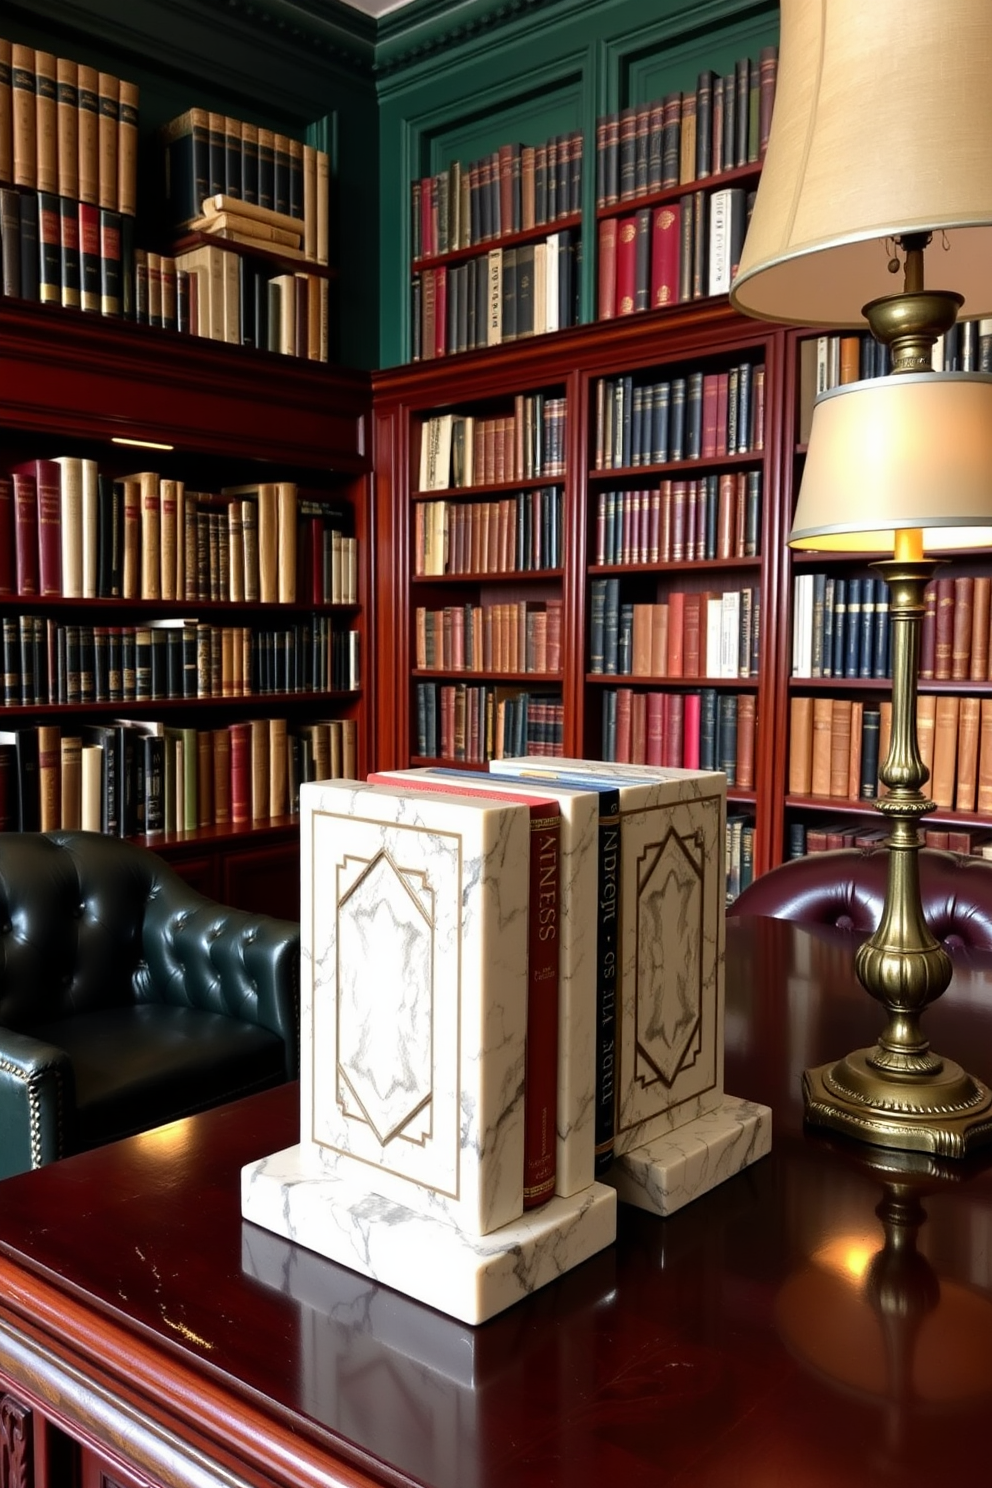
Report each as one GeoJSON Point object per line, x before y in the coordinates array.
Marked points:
{"type": "Point", "coordinates": [908, 547]}
{"type": "Point", "coordinates": [910, 453]}
{"type": "Point", "coordinates": [141, 443]}
{"type": "Point", "coordinates": [847, 1256]}
{"type": "Point", "coordinates": [167, 1141]}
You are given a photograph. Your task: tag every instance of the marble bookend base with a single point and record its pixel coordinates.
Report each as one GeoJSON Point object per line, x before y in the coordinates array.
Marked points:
{"type": "Point", "coordinates": [674, 1169]}
{"type": "Point", "coordinates": [470, 1277]}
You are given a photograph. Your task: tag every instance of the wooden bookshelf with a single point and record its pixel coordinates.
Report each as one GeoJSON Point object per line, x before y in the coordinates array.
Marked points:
{"type": "Point", "coordinates": [76, 383]}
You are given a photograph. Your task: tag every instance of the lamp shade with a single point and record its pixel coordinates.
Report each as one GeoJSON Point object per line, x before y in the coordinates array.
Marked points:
{"type": "Point", "coordinates": [882, 126]}
{"type": "Point", "coordinates": [899, 452]}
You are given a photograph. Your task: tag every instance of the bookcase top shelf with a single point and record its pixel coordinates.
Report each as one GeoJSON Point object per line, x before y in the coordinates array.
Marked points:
{"type": "Point", "coordinates": [67, 374]}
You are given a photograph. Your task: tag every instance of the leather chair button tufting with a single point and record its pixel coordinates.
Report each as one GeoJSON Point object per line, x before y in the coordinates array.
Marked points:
{"type": "Point", "coordinates": [251, 936]}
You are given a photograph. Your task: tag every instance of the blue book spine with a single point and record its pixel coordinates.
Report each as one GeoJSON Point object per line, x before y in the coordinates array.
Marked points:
{"type": "Point", "coordinates": [611, 626]}
{"type": "Point", "coordinates": [707, 729]}
{"type": "Point", "coordinates": [852, 658]}
{"type": "Point", "coordinates": [828, 627]}
{"type": "Point", "coordinates": [610, 725]}
{"type": "Point", "coordinates": [625, 641]}
{"type": "Point", "coordinates": [727, 756]}
{"type": "Point", "coordinates": [840, 626]}
{"type": "Point", "coordinates": [866, 649]}
{"type": "Point", "coordinates": [796, 846]}
{"type": "Point", "coordinates": [597, 609]}
{"type": "Point", "coordinates": [881, 661]}
{"type": "Point", "coordinates": [661, 402]}
{"type": "Point", "coordinates": [819, 597]}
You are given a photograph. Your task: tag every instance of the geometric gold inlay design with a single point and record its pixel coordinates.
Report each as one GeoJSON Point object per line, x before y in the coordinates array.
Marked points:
{"type": "Point", "coordinates": [385, 940]}
{"type": "Point", "coordinates": [670, 905]}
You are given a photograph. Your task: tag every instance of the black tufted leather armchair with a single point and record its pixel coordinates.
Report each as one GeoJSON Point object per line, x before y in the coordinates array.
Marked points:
{"type": "Point", "coordinates": [126, 998]}
{"type": "Point", "coordinates": [846, 888]}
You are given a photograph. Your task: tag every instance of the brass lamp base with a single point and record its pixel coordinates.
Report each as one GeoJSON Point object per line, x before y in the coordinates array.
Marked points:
{"type": "Point", "coordinates": [947, 1112]}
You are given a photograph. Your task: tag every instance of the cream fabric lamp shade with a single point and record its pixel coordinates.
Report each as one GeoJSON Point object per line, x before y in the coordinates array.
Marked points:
{"type": "Point", "coordinates": [882, 125]}
{"type": "Point", "coordinates": [899, 452]}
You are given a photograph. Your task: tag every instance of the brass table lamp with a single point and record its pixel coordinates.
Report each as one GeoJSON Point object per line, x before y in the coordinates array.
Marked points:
{"type": "Point", "coordinates": [881, 146]}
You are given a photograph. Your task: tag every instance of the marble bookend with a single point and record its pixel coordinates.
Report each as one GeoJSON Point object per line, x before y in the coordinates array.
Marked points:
{"type": "Point", "coordinates": [468, 1276]}
{"type": "Point", "coordinates": [577, 979]}
{"type": "Point", "coordinates": [669, 1039]}
{"type": "Point", "coordinates": [414, 997]}
{"type": "Point", "coordinates": [672, 1170]}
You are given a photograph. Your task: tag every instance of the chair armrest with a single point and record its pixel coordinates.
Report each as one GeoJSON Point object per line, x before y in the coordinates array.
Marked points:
{"type": "Point", "coordinates": [200, 954]}
{"type": "Point", "coordinates": [36, 1086]}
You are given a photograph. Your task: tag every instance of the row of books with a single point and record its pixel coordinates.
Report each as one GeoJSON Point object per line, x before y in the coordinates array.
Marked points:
{"type": "Point", "coordinates": [524, 636]}
{"type": "Point", "coordinates": [135, 777]}
{"type": "Point", "coordinates": [722, 124]}
{"type": "Point", "coordinates": [836, 746]}
{"type": "Point", "coordinates": [685, 250]}
{"type": "Point", "coordinates": [471, 724]}
{"type": "Point", "coordinates": [518, 534]}
{"type": "Point", "coordinates": [840, 626]}
{"type": "Point", "coordinates": [717, 516]}
{"type": "Point", "coordinates": [462, 450]}
{"type": "Point", "coordinates": [68, 529]}
{"type": "Point", "coordinates": [209, 155]}
{"type": "Point", "coordinates": [701, 416]}
{"type": "Point", "coordinates": [59, 251]}
{"type": "Point", "coordinates": [510, 190]}
{"type": "Point", "coordinates": [507, 294]}
{"type": "Point", "coordinates": [248, 302]}
{"type": "Point", "coordinates": [955, 634]}
{"type": "Point", "coordinates": [703, 730]}
{"type": "Point", "coordinates": [689, 634]}
{"type": "Point", "coordinates": [807, 837]}
{"type": "Point", "coordinates": [45, 662]}
{"type": "Point", "coordinates": [739, 854]}
{"type": "Point", "coordinates": [67, 129]}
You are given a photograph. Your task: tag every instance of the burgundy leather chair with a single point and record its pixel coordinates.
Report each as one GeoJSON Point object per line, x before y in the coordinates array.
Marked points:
{"type": "Point", "coordinates": [846, 888]}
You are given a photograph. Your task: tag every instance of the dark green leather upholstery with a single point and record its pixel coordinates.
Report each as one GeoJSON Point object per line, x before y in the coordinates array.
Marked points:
{"type": "Point", "coordinates": [126, 998]}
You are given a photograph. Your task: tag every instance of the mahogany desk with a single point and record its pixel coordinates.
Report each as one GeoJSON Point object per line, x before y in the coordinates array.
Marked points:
{"type": "Point", "coordinates": [760, 1337]}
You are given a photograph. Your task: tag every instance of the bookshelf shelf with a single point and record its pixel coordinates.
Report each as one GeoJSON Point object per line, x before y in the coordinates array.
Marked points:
{"type": "Point", "coordinates": [749, 460]}
{"type": "Point", "coordinates": [676, 565]}
{"type": "Point", "coordinates": [74, 385]}
{"type": "Point", "coordinates": [534, 234]}
{"type": "Point", "coordinates": [742, 175]}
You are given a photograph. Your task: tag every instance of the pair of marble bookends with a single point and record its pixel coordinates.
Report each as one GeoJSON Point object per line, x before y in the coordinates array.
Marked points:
{"type": "Point", "coordinates": [414, 1006]}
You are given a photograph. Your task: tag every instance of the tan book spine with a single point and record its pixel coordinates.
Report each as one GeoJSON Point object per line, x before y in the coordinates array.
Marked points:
{"type": "Point", "coordinates": [985, 756]}
{"type": "Point", "coordinates": [204, 778]}
{"type": "Point", "coordinates": [641, 640]}
{"type": "Point", "coordinates": [981, 613]}
{"type": "Point", "coordinates": [285, 286]}
{"type": "Point", "coordinates": [969, 725]}
{"type": "Point", "coordinates": [268, 543]}
{"type": "Point", "coordinates": [349, 748]}
{"type": "Point", "coordinates": [67, 109]}
{"type": "Point", "coordinates": [214, 205]}
{"type": "Point", "coordinates": [180, 539]}
{"type": "Point", "coordinates": [945, 751]}
{"type": "Point", "coordinates": [6, 117]}
{"type": "Point", "coordinates": [854, 769]}
{"type": "Point", "coordinates": [313, 321]}
{"type": "Point", "coordinates": [46, 121]}
{"type": "Point", "coordinates": [131, 567]}
{"type": "Point", "coordinates": [926, 718]}
{"type": "Point", "coordinates": [168, 539]}
{"type": "Point", "coordinates": [221, 741]}
{"type": "Point", "coordinates": [278, 770]}
{"type": "Point", "coordinates": [840, 746]}
{"type": "Point", "coordinates": [151, 535]}
{"type": "Point", "coordinates": [91, 788]}
{"type": "Point", "coordinates": [71, 768]}
{"type": "Point", "coordinates": [335, 750]}
{"type": "Point", "coordinates": [260, 769]}
{"type": "Point", "coordinates": [241, 229]}
{"type": "Point", "coordinates": [88, 128]}
{"type": "Point", "coordinates": [961, 629]}
{"type": "Point", "coordinates": [91, 524]}
{"type": "Point", "coordinates": [323, 207]}
{"type": "Point", "coordinates": [821, 746]}
{"type": "Point", "coordinates": [127, 149]}
{"type": "Point", "coordinates": [227, 661]}
{"type": "Point", "coordinates": [71, 524]}
{"type": "Point", "coordinates": [24, 116]}
{"type": "Point", "coordinates": [108, 94]}
{"type": "Point", "coordinates": [50, 776]}
{"type": "Point", "coordinates": [236, 548]}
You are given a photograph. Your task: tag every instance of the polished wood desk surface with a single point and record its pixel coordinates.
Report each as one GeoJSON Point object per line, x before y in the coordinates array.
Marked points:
{"type": "Point", "coordinates": [763, 1336]}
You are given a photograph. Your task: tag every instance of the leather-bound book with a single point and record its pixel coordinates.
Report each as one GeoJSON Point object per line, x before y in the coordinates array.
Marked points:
{"type": "Point", "coordinates": [969, 725]}
{"type": "Point", "coordinates": [945, 748]}
{"type": "Point", "coordinates": [821, 746]}
{"type": "Point", "coordinates": [840, 746]}
{"type": "Point", "coordinates": [944, 630]}
{"type": "Point", "coordinates": [981, 615]}
{"type": "Point", "coordinates": [961, 628]}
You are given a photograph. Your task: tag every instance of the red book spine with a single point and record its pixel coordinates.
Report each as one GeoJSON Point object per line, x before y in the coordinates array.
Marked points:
{"type": "Point", "coordinates": [944, 630]}
{"type": "Point", "coordinates": [240, 772]}
{"type": "Point", "coordinates": [49, 527]}
{"type": "Point", "coordinates": [928, 633]}
{"type": "Point", "coordinates": [8, 551]}
{"type": "Point", "coordinates": [666, 233]}
{"type": "Point", "coordinates": [746, 719]}
{"type": "Point", "coordinates": [710, 406]}
{"type": "Point", "coordinates": [626, 266]}
{"type": "Point", "coordinates": [676, 632]}
{"type": "Point", "coordinates": [26, 531]}
{"type": "Point", "coordinates": [440, 311]}
{"type": "Point", "coordinates": [690, 731]}
{"type": "Point", "coordinates": [607, 301]}
{"type": "Point", "coordinates": [623, 725]}
{"type": "Point", "coordinates": [655, 745]}
{"type": "Point", "coordinates": [638, 729]}
{"type": "Point", "coordinates": [674, 730]}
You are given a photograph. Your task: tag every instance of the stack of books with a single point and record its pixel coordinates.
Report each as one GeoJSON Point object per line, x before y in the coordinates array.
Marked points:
{"type": "Point", "coordinates": [68, 183]}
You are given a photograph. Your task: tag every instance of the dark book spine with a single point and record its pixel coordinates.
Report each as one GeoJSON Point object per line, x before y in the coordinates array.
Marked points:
{"type": "Point", "coordinates": [694, 416]}
{"type": "Point", "coordinates": [727, 727]}
{"type": "Point", "coordinates": [642, 260]}
{"type": "Point", "coordinates": [870, 733]}
{"type": "Point", "coordinates": [707, 729]}
{"type": "Point", "coordinates": [30, 248]}
{"type": "Point", "coordinates": [110, 262]}
{"type": "Point", "coordinates": [49, 249]}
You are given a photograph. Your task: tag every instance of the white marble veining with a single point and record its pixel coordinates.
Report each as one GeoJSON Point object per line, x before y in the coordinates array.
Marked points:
{"type": "Point", "coordinates": [578, 869]}
{"type": "Point", "coordinates": [465, 1275]}
{"type": "Point", "coordinates": [672, 914]}
{"type": "Point", "coordinates": [413, 1016]}
{"type": "Point", "coordinates": [672, 1170]}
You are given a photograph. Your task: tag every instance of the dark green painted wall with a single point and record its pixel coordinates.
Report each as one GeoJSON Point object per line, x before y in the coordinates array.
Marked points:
{"type": "Point", "coordinates": [456, 81]}
{"type": "Point", "coordinates": [437, 81]}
